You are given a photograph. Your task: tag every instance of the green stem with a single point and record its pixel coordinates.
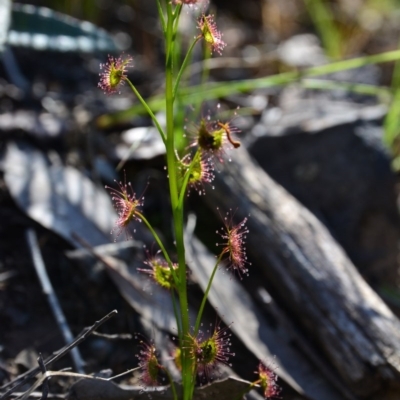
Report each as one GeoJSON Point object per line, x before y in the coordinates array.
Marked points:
{"type": "Point", "coordinates": [177, 211]}
{"type": "Point", "coordinates": [159, 242]}
{"type": "Point", "coordinates": [176, 313]}
{"type": "Point", "coordinates": [251, 386]}
{"type": "Point", "coordinates": [200, 314]}
{"type": "Point", "coordinates": [172, 384]}
{"type": "Point", "coordinates": [184, 65]}
{"type": "Point", "coordinates": [176, 16]}
{"type": "Point", "coordinates": [161, 15]}
{"type": "Point", "coordinates": [206, 70]}
{"type": "Point", "coordinates": [204, 77]}
{"type": "Point", "coordinates": [148, 109]}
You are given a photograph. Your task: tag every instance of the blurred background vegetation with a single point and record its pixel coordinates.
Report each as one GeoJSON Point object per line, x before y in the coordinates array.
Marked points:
{"type": "Point", "coordinates": [345, 28]}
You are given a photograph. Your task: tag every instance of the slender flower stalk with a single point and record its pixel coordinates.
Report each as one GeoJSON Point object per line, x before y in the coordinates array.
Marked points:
{"type": "Point", "coordinates": [267, 380]}
{"type": "Point", "coordinates": [184, 65]}
{"type": "Point", "coordinates": [160, 243]}
{"type": "Point", "coordinates": [148, 109]}
{"type": "Point", "coordinates": [161, 15]}
{"type": "Point", "coordinates": [203, 303]}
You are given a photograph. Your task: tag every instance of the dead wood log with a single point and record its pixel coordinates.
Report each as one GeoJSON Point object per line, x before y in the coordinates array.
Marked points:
{"type": "Point", "coordinates": [96, 389]}
{"type": "Point", "coordinates": [313, 278]}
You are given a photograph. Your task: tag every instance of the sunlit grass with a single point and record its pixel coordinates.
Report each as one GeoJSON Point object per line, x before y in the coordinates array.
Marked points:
{"type": "Point", "coordinates": [223, 89]}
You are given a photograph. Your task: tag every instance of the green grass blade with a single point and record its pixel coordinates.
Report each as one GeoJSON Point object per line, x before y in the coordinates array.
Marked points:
{"type": "Point", "coordinates": [223, 89]}
{"type": "Point", "coordinates": [323, 20]}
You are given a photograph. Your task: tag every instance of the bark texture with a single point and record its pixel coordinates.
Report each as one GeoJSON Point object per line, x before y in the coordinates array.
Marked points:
{"type": "Point", "coordinates": [313, 278]}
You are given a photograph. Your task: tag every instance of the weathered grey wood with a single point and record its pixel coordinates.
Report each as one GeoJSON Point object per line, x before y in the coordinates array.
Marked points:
{"type": "Point", "coordinates": [276, 343]}
{"type": "Point", "coordinates": [95, 389]}
{"type": "Point", "coordinates": [354, 329]}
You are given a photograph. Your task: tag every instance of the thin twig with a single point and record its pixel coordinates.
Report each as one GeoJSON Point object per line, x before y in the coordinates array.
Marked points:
{"type": "Point", "coordinates": [120, 336]}
{"type": "Point", "coordinates": [45, 388]}
{"type": "Point", "coordinates": [38, 395]}
{"type": "Point", "coordinates": [48, 374]}
{"type": "Point", "coordinates": [52, 297]}
{"type": "Point", "coordinates": [86, 332]}
{"type": "Point", "coordinates": [4, 276]}
{"type": "Point", "coordinates": [124, 373]}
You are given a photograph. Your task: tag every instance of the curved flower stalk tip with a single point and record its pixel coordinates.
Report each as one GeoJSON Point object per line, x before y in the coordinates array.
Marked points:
{"type": "Point", "coordinates": [214, 137]}
{"type": "Point", "coordinates": [229, 130]}
{"type": "Point", "coordinates": [210, 33]}
{"type": "Point", "coordinates": [210, 348]}
{"type": "Point", "coordinates": [114, 73]}
{"type": "Point", "coordinates": [267, 380]}
{"type": "Point", "coordinates": [234, 245]}
{"type": "Point", "coordinates": [127, 206]}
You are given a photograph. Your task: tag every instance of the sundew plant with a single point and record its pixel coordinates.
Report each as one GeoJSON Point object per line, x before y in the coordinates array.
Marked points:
{"type": "Point", "coordinates": [198, 352]}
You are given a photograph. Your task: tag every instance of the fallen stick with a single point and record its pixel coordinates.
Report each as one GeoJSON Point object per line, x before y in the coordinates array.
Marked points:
{"type": "Point", "coordinates": [52, 299]}
{"type": "Point", "coordinates": [86, 332]}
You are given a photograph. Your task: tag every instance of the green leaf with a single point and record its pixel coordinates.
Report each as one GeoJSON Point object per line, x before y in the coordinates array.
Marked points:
{"type": "Point", "coordinates": [41, 28]}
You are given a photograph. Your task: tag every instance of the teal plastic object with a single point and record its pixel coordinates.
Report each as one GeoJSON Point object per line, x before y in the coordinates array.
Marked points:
{"type": "Point", "coordinates": [5, 13]}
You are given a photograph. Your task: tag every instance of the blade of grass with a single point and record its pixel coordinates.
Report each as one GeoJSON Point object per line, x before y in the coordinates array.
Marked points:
{"type": "Point", "coordinates": [223, 89]}
{"type": "Point", "coordinates": [323, 20]}
{"type": "Point", "coordinates": [392, 120]}
{"type": "Point", "coordinates": [383, 93]}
